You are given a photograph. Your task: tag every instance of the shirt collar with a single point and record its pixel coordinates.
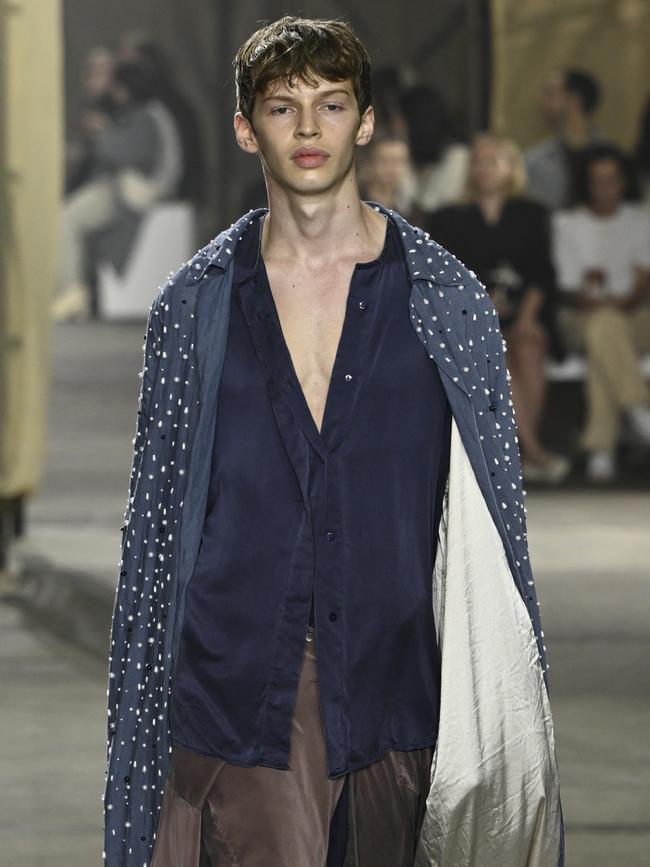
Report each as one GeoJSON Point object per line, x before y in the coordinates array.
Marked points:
{"type": "Point", "coordinates": [425, 259]}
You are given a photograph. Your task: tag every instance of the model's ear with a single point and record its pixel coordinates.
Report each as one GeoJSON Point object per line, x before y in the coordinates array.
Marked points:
{"type": "Point", "coordinates": [245, 134]}
{"type": "Point", "coordinates": [366, 127]}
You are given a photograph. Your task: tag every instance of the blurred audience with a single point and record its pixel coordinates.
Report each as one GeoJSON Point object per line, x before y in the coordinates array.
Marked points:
{"type": "Point", "coordinates": [602, 255]}
{"type": "Point", "coordinates": [642, 153]}
{"type": "Point", "coordinates": [384, 165]}
{"type": "Point", "coordinates": [135, 160]}
{"type": "Point", "coordinates": [387, 84]}
{"type": "Point", "coordinates": [568, 101]}
{"type": "Point", "coordinates": [97, 83]}
{"type": "Point", "coordinates": [140, 48]}
{"type": "Point", "coordinates": [438, 158]}
{"type": "Point", "coordinates": [504, 237]}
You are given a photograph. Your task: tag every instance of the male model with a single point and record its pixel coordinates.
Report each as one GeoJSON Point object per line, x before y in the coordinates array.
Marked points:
{"type": "Point", "coordinates": [326, 644]}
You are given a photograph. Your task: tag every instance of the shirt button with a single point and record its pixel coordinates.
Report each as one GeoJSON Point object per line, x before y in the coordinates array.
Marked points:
{"type": "Point", "coordinates": [331, 535]}
{"type": "Point", "coordinates": [348, 377]}
{"type": "Point", "coordinates": [332, 615]}
{"type": "Point", "coordinates": [362, 305]}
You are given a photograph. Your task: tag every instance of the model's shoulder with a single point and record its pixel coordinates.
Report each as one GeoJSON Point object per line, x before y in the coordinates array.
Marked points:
{"type": "Point", "coordinates": [215, 254]}
{"type": "Point", "coordinates": [436, 263]}
{"type": "Point", "coordinates": [218, 252]}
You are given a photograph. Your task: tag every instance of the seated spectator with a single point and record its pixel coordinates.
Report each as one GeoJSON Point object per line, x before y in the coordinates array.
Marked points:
{"type": "Point", "coordinates": [384, 163]}
{"type": "Point", "coordinates": [504, 238]}
{"type": "Point", "coordinates": [438, 159]}
{"type": "Point", "coordinates": [136, 162]}
{"type": "Point", "coordinates": [569, 99]}
{"type": "Point", "coordinates": [142, 49]}
{"type": "Point", "coordinates": [97, 82]}
{"type": "Point", "coordinates": [602, 254]}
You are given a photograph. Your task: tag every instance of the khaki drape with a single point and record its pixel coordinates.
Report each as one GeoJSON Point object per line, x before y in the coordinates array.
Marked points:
{"type": "Point", "coordinates": [30, 193]}
{"type": "Point", "coordinates": [609, 38]}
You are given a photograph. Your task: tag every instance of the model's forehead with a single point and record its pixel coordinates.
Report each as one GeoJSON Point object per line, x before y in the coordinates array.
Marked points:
{"type": "Point", "coordinates": [302, 88]}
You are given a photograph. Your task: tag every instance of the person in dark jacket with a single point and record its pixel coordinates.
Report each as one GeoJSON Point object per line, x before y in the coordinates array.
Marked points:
{"type": "Point", "coordinates": [505, 238]}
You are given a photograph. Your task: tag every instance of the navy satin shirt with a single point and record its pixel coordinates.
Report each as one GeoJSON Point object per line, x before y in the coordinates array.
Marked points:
{"type": "Point", "coordinates": [346, 518]}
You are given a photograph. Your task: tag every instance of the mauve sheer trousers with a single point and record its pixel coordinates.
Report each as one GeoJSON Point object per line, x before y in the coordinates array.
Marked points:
{"type": "Point", "coordinates": [215, 814]}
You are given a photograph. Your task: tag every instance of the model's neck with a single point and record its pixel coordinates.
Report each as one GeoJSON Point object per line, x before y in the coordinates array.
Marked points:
{"type": "Point", "coordinates": [310, 230]}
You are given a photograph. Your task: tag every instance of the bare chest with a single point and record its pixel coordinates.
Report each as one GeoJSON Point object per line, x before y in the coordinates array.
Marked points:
{"type": "Point", "coordinates": [311, 312]}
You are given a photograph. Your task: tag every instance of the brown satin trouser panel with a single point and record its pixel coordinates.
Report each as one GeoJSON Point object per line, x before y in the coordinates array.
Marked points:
{"type": "Point", "coordinates": [386, 809]}
{"type": "Point", "coordinates": [271, 817]}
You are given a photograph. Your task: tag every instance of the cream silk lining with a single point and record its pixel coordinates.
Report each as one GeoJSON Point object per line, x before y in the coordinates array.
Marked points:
{"type": "Point", "coordinates": [494, 796]}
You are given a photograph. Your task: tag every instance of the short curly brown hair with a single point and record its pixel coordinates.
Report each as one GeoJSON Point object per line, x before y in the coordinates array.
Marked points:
{"type": "Point", "coordinates": [304, 48]}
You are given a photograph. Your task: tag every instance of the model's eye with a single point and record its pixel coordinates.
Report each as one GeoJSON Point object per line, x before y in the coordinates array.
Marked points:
{"type": "Point", "coordinates": [334, 106]}
{"type": "Point", "coordinates": [279, 109]}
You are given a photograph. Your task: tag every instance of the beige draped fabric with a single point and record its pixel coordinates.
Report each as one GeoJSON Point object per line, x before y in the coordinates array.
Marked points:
{"type": "Point", "coordinates": [609, 38]}
{"type": "Point", "coordinates": [495, 791]}
{"type": "Point", "coordinates": [30, 191]}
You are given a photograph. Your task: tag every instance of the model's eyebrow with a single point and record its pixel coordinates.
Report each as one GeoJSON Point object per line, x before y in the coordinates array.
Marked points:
{"type": "Point", "coordinates": [287, 98]}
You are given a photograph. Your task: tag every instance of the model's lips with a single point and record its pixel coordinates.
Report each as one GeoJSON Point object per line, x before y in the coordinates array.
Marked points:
{"type": "Point", "coordinates": [308, 152]}
{"type": "Point", "coordinates": [309, 157]}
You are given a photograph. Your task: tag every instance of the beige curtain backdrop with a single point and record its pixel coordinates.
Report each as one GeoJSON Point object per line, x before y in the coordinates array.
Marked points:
{"type": "Point", "coordinates": [610, 38]}
{"type": "Point", "coordinates": [30, 191]}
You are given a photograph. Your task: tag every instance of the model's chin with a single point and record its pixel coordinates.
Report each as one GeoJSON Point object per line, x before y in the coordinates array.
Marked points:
{"type": "Point", "coordinates": [301, 170]}
{"type": "Point", "coordinates": [306, 181]}
{"type": "Point", "coordinates": [309, 181]}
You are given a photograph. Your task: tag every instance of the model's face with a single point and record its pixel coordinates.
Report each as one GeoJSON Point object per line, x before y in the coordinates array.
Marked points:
{"type": "Point", "coordinates": [324, 119]}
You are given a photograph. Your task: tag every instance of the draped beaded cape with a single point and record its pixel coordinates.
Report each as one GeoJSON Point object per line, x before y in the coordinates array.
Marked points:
{"type": "Point", "coordinates": [184, 344]}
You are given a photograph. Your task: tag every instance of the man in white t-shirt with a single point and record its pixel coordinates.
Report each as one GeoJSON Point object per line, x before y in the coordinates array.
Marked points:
{"type": "Point", "coordinates": [602, 256]}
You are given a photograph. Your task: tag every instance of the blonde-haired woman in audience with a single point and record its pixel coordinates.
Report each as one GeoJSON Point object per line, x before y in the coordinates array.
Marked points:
{"type": "Point", "coordinates": [504, 237]}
